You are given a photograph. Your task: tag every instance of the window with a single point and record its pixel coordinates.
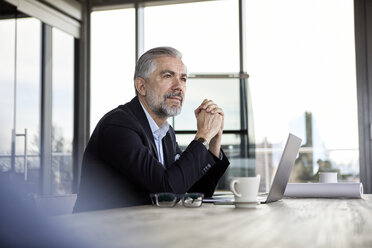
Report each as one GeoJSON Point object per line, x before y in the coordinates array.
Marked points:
{"type": "Point", "coordinates": [301, 62]}
{"type": "Point", "coordinates": [7, 31]}
{"type": "Point", "coordinates": [301, 78]}
{"type": "Point", "coordinates": [62, 112]}
{"type": "Point", "coordinates": [210, 48]}
{"type": "Point", "coordinates": [28, 92]}
{"type": "Point", "coordinates": [20, 99]}
{"type": "Point", "coordinates": [208, 42]}
{"type": "Point", "coordinates": [32, 75]}
{"type": "Point", "coordinates": [112, 61]}
{"type": "Point", "coordinates": [198, 90]}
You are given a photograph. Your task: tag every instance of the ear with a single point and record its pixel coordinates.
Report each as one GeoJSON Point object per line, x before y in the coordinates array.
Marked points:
{"type": "Point", "coordinates": [139, 83]}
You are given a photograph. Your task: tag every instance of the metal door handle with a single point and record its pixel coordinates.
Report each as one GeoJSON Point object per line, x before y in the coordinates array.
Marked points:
{"type": "Point", "coordinates": [25, 151]}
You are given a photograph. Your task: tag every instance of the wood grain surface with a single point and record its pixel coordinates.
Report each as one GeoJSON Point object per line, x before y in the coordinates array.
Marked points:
{"type": "Point", "coordinates": [286, 223]}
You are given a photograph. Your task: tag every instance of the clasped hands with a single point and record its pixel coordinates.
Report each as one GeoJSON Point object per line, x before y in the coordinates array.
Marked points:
{"type": "Point", "coordinates": [210, 121]}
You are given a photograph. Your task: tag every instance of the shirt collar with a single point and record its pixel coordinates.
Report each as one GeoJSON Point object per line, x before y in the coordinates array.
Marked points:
{"type": "Point", "coordinates": [158, 132]}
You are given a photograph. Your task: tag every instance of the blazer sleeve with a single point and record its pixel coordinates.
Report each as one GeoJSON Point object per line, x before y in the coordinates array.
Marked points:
{"type": "Point", "coordinates": [207, 184]}
{"type": "Point", "coordinates": [128, 150]}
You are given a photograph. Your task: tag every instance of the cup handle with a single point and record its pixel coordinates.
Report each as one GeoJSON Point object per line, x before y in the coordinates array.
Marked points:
{"type": "Point", "coordinates": [232, 188]}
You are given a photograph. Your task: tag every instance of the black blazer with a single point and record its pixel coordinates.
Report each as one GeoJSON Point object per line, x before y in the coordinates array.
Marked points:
{"type": "Point", "coordinates": [121, 168]}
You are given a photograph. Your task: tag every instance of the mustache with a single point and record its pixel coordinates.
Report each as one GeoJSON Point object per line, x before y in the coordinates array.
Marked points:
{"type": "Point", "coordinates": [174, 93]}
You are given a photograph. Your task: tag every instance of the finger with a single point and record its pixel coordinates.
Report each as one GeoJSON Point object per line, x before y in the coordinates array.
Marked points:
{"type": "Point", "coordinates": [212, 108]}
{"type": "Point", "coordinates": [202, 106]}
{"type": "Point", "coordinates": [206, 103]}
{"type": "Point", "coordinates": [197, 110]}
{"type": "Point", "coordinates": [218, 111]}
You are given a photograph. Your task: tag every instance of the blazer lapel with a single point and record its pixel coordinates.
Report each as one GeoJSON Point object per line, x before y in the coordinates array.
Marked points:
{"type": "Point", "coordinates": [141, 116]}
{"type": "Point", "coordinates": [168, 150]}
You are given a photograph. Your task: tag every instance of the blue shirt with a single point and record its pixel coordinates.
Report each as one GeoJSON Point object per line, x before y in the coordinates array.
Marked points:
{"type": "Point", "coordinates": [158, 133]}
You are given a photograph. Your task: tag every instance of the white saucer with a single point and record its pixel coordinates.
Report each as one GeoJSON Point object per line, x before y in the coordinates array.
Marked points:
{"type": "Point", "coordinates": [247, 204]}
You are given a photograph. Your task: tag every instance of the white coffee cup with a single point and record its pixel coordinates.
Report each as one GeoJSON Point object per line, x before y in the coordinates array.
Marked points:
{"type": "Point", "coordinates": [328, 177]}
{"type": "Point", "coordinates": [245, 189]}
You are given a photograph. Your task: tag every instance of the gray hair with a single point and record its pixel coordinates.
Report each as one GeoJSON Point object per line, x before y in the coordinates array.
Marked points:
{"type": "Point", "coordinates": [146, 64]}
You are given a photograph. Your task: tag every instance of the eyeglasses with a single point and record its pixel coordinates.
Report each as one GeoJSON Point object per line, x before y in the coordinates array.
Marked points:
{"type": "Point", "coordinates": [169, 200]}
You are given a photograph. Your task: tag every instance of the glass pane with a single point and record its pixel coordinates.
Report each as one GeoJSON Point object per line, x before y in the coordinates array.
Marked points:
{"type": "Point", "coordinates": [62, 112]}
{"type": "Point", "coordinates": [224, 92]}
{"type": "Point", "coordinates": [28, 95]}
{"type": "Point", "coordinates": [232, 149]}
{"type": "Point", "coordinates": [7, 44]}
{"type": "Point", "coordinates": [239, 165]}
{"type": "Point", "coordinates": [112, 61]}
{"type": "Point", "coordinates": [230, 143]}
{"type": "Point", "coordinates": [303, 80]}
{"type": "Point", "coordinates": [207, 33]}
{"type": "Point", "coordinates": [20, 57]}
{"type": "Point", "coordinates": [183, 140]}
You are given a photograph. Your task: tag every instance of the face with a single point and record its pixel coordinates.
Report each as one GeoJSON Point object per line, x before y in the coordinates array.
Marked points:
{"type": "Point", "coordinates": [166, 86]}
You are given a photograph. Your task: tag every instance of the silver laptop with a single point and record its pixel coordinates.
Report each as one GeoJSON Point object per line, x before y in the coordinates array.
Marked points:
{"type": "Point", "coordinates": [281, 177]}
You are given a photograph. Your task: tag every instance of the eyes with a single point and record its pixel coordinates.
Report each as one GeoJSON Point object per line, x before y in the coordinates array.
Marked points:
{"type": "Point", "coordinates": [169, 75]}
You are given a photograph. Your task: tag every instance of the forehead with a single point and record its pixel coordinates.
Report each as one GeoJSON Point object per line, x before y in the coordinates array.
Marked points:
{"type": "Point", "coordinates": [170, 63]}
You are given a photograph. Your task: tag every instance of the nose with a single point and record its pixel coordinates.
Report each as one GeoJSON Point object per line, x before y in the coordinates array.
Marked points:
{"type": "Point", "coordinates": [179, 85]}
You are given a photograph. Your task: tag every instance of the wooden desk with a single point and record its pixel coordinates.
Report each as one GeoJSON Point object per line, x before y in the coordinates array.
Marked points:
{"type": "Point", "coordinates": [287, 223]}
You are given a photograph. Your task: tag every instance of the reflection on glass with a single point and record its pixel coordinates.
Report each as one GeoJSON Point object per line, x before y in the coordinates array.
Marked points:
{"type": "Point", "coordinates": [62, 112]}
{"type": "Point", "coordinates": [224, 92]}
{"type": "Point", "coordinates": [206, 33]}
{"type": "Point", "coordinates": [303, 80]}
{"type": "Point", "coordinates": [112, 61]}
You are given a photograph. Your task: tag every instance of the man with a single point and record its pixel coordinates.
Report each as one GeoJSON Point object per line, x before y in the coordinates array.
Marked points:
{"type": "Point", "coordinates": [133, 150]}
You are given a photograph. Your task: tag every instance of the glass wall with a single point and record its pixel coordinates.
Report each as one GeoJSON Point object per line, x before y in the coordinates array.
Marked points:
{"type": "Point", "coordinates": [112, 61]}
{"type": "Point", "coordinates": [209, 43]}
{"type": "Point", "coordinates": [62, 112]}
{"type": "Point", "coordinates": [7, 48]}
{"type": "Point", "coordinates": [27, 93]}
{"type": "Point", "coordinates": [210, 46]}
{"type": "Point", "coordinates": [20, 57]}
{"type": "Point", "coordinates": [20, 97]}
{"type": "Point", "coordinates": [303, 80]}
{"type": "Point", "coordinates": [199, 89]}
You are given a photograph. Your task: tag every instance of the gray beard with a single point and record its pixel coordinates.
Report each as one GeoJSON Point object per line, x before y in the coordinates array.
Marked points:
{"type": "Point", "coordinates": [160, 107]}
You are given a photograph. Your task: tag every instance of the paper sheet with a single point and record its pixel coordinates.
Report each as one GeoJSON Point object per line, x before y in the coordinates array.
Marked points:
{"type": "Point", "coordinates": [324, 190]}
